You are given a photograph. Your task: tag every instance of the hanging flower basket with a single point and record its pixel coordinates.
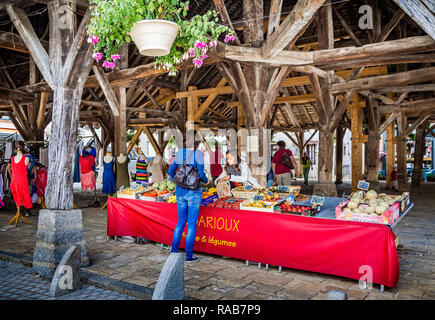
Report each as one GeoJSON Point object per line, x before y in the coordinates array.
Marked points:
{"type": "Point", "coordinates": [154, 37]}
{"type": "Point", "coordinates": [159, 28]}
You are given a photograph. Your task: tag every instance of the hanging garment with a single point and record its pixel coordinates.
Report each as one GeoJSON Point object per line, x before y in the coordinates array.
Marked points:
{"type": "Point", "coordinates": [159, 168]}
{"type": "Point", "coordinates": [92, 152]}
{"type": "Point", "coordinates": [109, 182]}
{"type": "Point", "coordinates": [141, 171]}
{"type": "Point", "coordinates": [20, 183]}
{"type": "Point", "coordinates": [2, 195]}
{"type": "Point", "coordinates": [8, 150]}
{"type": "Point", "coordinates": [41, 181]}
{"type": "Point", "coordinates": [122, 176]}
{"type": "Point", "coordinates": [86, 163]}
{"type": "Point", "coordinates": [77, 166]}
{"type": "Point", "coordinates": [88, 181]}
{"type": "Point", "coordinates": [43, 156]}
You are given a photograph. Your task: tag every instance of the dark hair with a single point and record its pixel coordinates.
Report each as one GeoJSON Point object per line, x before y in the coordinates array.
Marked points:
{"type": "Point", "coordinates": [235, 166]}
{"type": "Point", "coordinates": [281, 144]}
{"type": "Point", "coordinates": [190, 139]}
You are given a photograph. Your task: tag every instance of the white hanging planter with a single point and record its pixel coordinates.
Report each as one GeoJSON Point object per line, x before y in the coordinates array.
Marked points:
{"type": "Point", "coordinates": [154, 37]}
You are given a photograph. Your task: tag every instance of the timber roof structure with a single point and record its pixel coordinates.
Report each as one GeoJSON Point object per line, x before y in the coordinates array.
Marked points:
{"type": "Point", "coordinates": [317, 61]}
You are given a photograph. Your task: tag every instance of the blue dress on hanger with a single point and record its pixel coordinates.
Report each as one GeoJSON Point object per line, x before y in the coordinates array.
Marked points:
{"type": "Point", "coordinates": [109, 182]}
{"type": "Point", "coordinates": [77, 166]}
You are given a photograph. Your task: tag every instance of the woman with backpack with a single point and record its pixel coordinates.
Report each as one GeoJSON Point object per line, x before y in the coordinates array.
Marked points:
{"type": "Point", "coordinates": [282, 164]}
{"type": "Point", "coordinates": [187, 171]}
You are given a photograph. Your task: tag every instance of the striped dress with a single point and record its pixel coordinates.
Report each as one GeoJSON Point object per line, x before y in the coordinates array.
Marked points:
{"type": "Point", "coordinates": [141, 171]}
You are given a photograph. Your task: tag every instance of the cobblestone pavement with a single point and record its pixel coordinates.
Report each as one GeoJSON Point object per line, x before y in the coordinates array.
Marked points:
{"type": "Point", "coordinates": [18, 283]}
{"type": "Point", "coordinates": [215, 277]}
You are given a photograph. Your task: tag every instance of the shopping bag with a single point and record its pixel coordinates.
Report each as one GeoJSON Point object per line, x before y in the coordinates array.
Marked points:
{"type": "Point", "coordinates": [223, 189]}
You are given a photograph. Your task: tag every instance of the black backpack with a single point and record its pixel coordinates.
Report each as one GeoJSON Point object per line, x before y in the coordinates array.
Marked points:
{"type": "Point", "coordinates": [187, 176]}
{"type": "Point", "coordinates": [287, 161]}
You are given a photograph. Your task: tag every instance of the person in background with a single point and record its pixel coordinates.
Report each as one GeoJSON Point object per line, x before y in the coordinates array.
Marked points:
{"type": "Point", "coordinates": [306, 165]}
{"type": "Point", "coordinates": [215, 162]}
{"type": "Point", "coordinates": [237, 171]}
{"type": "Point", "coordinates": [188, 201]}
{"type": "Point", "coordinates": [394, 182]}
{"type": "Point", "coordinates": [280, 165]}
{"type": "Point", "coordinates": [270, 178]}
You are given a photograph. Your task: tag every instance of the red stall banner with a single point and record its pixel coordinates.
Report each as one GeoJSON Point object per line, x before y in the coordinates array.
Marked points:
{"type": "Point", "coordinates": [355, 250]}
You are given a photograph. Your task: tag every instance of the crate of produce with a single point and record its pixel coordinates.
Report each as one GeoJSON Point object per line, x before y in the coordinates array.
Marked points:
{"type": "Point", "coordinates": [226, 202]}
{"type": "Point", "coordinates": [150, 195]}
{"type": "Point", "coordinates": [243, 193]}
{"type": "Point", "coordinates": [129, 193]}
{"type": "Point", "coordinates": [402, 201]}
{"type": "Point", "coordinates": [285, 207]}
{"type": "Point", "coordinates": [263, 206]}
{"type": "Point", "coordinates": [209, 199]}
{"type": "Point", "coordinates": [285, 191]}
{"type": "Point", "coordinates": [384, 214]}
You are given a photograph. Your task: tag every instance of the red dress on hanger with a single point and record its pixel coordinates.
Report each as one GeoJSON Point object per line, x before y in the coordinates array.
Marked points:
{"type": "Point", "coordinates": [20, 184]}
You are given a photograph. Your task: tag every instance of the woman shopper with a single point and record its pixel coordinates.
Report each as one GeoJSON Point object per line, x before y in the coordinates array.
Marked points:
{"type": "Point", "coordinates": [188, 200]}
{"type": "Point", "coordinates": [306, 165]}
{"type": "Point", "coordinates": [237, 171]}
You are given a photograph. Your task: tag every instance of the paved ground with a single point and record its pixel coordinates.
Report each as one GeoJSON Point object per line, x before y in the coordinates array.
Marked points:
{"type": "Point", "coordinates": [224, 278]}
{"type": "Point", "coordinates": [18, 283]}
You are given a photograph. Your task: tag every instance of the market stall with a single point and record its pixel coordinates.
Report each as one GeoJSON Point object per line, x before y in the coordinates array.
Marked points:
{"type": "Point", "coordinates": [321, 243]}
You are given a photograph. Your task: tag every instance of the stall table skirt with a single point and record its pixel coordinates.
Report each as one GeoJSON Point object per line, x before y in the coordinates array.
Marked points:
{"type": "Point", "coordinates": [354, 250]}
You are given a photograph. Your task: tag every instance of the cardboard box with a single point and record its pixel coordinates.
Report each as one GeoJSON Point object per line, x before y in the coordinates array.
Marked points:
{"type": "Point", "coordinates": [388, 217]}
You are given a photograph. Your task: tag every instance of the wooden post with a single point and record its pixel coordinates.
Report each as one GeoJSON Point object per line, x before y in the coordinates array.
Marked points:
{"type": "Point", "coordinates": [390, 153]}
{"type": "Point", "coordinates": [339, 154]}
{"type": "Point", "coordinates": [401, 152]}
{"type": "Point", "coordinates": [356, 128]}
{"type": "Point", "coordinates": [192, 108]}
{"type": "Point", "coordinates": [417, 171]}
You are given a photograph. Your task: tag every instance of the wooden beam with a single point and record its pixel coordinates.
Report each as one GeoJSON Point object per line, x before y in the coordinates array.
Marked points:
{"type": "Point", "coordinates": [274, 16]}
{"type": "Point", "coordinates": [29, 37]}
{"type": "Point", "coordinates": [204, 106]}
{"type": "Point", "coordinates": [41, 111]}
{"type": "Point", "coordinates": [422, 12]}
{"type": "Point", "coordinates": [133, 141]}
{"type": "Point", "coordinates": [417, 105]}
{"type": "Point", "coordinates": [416, 124]}
{"type": "Point", "coordinates": [107, 89]}
{"type": "Point", "coordinates": [346, 27]}
{"type": "Point", "coordinates": [225, 17]}
{"type": "Point", "coordinates": [12, 41]}
{"type": "Point", "coordinates": [341, 109]}
{"type": "Point", "coordinates": [290, 28]}
{"type": "Point", "coordinates": [390, 26]}
{"type": "Point", "coordinates": [152, 140]}
{"type": "Point", "coordinates": [397, 79]}
{"type": "Point", "coordinates": [387, 122]}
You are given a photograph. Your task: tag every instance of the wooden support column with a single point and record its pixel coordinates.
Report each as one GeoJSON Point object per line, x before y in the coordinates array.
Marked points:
{"type": "Point", "coordinates": [401, 152]}
{"type": "Point", "coordinates": [339, 135]}
{"type": "Point", "coordinates": [356, 128]}
{"type": "Point", "coordinates": [417, 171]}
{"type": "Point", "coordinates": [390, 153]}
{"type": "Point", "coordinates": [192, 108]}
{"type": "Point", "coordinates": [372, 146]}
{"type": "Point", "coordinates": [121, 118]}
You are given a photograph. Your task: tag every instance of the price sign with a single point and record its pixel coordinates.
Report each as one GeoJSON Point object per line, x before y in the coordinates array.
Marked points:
{"type": "Point", "coordinates": [283, 189]}
{"type": "Point", "coordinates": [249, 188]}
{"type": "Point", "coordinates": [135, 186]}
{"type": "Point", "coordinates": [258, 197]}
{"type": "Point", "coordinates": [145, 185]}
{"type": "Point", "coordinates": [317, 199]}
{"type": "Point", "coordinates": [363, 185]}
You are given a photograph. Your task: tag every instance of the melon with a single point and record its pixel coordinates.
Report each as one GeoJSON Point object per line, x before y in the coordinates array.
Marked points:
{"type": "Point", "coordinates": [352, 204]}
{"type": "Point", "coordinates": [371, 194]}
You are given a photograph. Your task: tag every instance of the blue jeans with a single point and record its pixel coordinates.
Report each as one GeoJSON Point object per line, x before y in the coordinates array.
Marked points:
{"type": "Point", "coordinates": [188, 210]}
{"type": "Point", "coordinates": [270, 183]}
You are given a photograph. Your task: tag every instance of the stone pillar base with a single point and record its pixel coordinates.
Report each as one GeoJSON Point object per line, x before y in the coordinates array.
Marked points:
{"type": "Point", "coordinates": [57, 231]}
{"type": "Point", "coordinates": [374, 185]}
{"type": "Point", "coordinates": [326, 189]}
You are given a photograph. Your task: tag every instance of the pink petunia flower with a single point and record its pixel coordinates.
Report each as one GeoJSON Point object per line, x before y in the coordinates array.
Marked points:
{"type": "Point", "coordinates": [115, 57]}
{"type": "Point", "coordinates": [229, 38]}
{"type": "Point", "coordinates": [108, 64]}
{"type": "Point", "coordinates": [191, 52]}
{"type": "Point", "coordinates": [212, 44]}
{"type": "Point", "coordinates": [204, 56]}
{"type": "Point", "coordinates": [204, 51]}
{"type": "Point", "coordinates": [197, 62]}
{"type": "Point", "coordinates": [95, 39]}
{"type": "Point", "coordinates": [185, 56]}
{"type": "Point", "coordinates": [97, 56]}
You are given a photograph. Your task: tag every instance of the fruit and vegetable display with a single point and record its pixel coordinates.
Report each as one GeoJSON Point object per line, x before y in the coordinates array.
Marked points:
{"type": "Point", "coordinates": [289, 208]}
{"type": "Point", "coordinates": [164, 185]}
{"type": "Point", "coordinates": [129, 193]}
{"type": "Point", "coordinates": [371, 203]}
{"type": "Point", "coordinates": [242, 188]}
{"type": "Point", "coordinates": [291, 190]}
{"type": "Point", "coordinates": [172, 199]}
{"type": "Point", "coordinates": [208, 193]}
{"type": "Point", "coordinates": [259, 204]}
{"type": "Point", "coordinates": [226, 202]}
